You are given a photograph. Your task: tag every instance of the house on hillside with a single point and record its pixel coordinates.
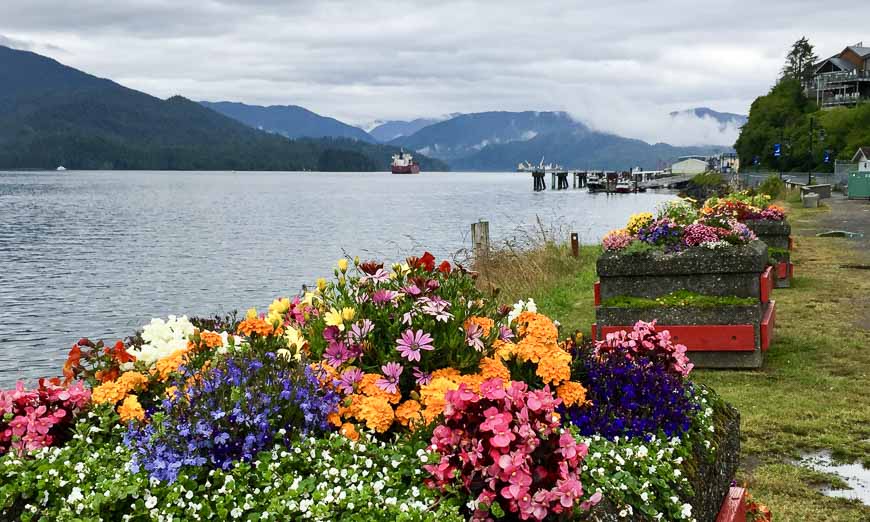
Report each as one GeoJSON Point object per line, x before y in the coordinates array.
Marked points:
{"type": "Point", "coordinates": [842, 79]}
{"type": "Point", "coordinates": [691, 165]}
{"type": "Point", "coordinates": [862, 158]}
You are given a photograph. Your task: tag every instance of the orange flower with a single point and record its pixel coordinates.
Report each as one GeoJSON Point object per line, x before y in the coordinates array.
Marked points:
{"type": "Point", "coordinates": [491, 367]}
{"type": "Point", "coordinates": [377, 413]}
{"type": "Point", "coordinates": [555, 369]}
{"type": "Point", "coordinates": [259, 326]}
{"type": "Point", "coordinates": [211, 339]}
{"type": "Point", "coordinates": [572, 393]}
{"type": "Point", "coordinates": [108, 393]}
{"type": "Point", "coordinates": [130, 381]}
{"type": "Point", "coordinates": [131, 409]}
{"type": "Point", "coordinates": [349, 431]}
{"type": "Point", "coordinates": [108, 375]}
{"type": "Point", "coordinates": [334, 419]}
{"type": "Point", "coordinates": [538, 326]}
{"type": "Point", "coordinates": [432, 397]}
{"type": "Point", "coordinates": [408, 414]}
{"type": "Point", "coordinates": [368, 386]}
{"type": "Point", "coordinates": [166, 366]}
{"type": "Point", "coordinates": [485, 323]}
{"type": "Point", "coordinates": [447, 373]}
{"type": "Point", "coordinates": [504, 350]}
{"type": "Point", "coordinates": [72, 363]}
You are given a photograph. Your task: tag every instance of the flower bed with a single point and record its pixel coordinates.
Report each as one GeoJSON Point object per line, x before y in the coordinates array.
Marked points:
{"type": "Point", "coordinates": [702, 274]}
{"type": "Point", "coordinates": [768, 222]}
{"type": "Point", "coordinates": [385, 394]}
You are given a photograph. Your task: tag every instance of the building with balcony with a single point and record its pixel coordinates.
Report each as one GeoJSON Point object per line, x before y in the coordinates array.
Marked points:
{"type": "Point", "coordinates": [842, 79]}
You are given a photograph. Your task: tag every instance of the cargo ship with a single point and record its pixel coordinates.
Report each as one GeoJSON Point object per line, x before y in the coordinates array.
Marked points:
{"type": "Point", "coordinates": [403, 163]}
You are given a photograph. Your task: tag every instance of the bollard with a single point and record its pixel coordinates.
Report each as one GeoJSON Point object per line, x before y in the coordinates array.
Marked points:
{"type": "Point", "coordinates": [575, 244]}
{"type": "Point", "coordinates": [480, 237]}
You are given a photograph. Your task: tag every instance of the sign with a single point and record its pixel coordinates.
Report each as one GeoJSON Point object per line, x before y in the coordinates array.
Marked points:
{"type": "Point", "coordinates": [827, 156]}
{"type": "Point", "coordinates": [777, 150]}
{"type": "Point", "coordinates": [755, 160]}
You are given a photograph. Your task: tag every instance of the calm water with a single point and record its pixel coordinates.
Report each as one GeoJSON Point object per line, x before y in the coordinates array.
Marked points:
{"type": "Point", "coordinates": [98, 254]}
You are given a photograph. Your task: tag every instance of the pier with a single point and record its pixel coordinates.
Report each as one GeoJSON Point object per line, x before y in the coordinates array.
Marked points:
{"type": "Point", "coordinates": [609, 181]}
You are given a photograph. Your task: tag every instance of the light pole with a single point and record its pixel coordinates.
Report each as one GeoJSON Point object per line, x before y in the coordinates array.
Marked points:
{"type": "Point", "coordinates": [812, 134]}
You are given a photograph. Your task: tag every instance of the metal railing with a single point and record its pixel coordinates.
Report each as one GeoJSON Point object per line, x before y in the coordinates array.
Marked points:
{"type": "Point", "coordinates": [838, 77]}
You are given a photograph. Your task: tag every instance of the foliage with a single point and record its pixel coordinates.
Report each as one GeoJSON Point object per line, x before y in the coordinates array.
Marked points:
{"type": "Point", "coordinates": [504, 450]}
{"type": "Point", "coordinates": [681, 211]}
{"type": "Point", "coordinates": [772, 187]}
{"type": "Point", "coordinates": [229, 412]}
{"type": "Point", "coordinates": [635, 385]}
{"type": "Point", "coordinates": [35, 419]}
{"type": "Point", "coordinates": [707, 179]}
{"type": "Point", "coordinates": [678, 298]}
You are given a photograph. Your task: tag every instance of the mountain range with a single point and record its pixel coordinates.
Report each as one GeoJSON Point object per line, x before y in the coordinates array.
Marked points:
{"type": "Point", "coordinates": [724, 118]}
{"type": "Point", "coordinates": [51, 115]}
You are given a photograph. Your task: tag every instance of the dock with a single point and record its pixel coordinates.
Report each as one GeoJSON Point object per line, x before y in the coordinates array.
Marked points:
{"type": "Point", "coordinates": [609, 181]}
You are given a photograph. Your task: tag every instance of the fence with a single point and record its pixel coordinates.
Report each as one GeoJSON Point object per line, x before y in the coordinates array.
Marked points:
{"type": "Point", "coordinates": [838, 179]}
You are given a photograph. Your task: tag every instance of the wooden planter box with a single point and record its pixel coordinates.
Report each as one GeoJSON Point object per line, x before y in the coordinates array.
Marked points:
{"type": "Point", "coordinates": [725, 336]}
{"type": "Point", "coordinates": [776, 234]}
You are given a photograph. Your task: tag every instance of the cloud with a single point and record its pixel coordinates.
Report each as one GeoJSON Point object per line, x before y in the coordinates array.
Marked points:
{"type": "Point", "coordinates": [621, 66]}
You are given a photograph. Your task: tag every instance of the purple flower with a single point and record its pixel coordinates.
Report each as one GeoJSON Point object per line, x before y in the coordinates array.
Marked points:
{"type": "Point", "coordinates": [379, 276]}
{"type": "Point", "coordinates": [505, 334]}
{"type": "Point", "coordinates": [348, 378]}
{"type": "Point", "coordinates": [422, 378]}
{"type": "Point", "coordinates": [436, 307]}
{"type": "Point", "coordinates": [358, 331]}
{"type": "Point", "coordinates": [337, 354]}
{"type": "Point", "coordinates": [411, 343]}
{"type": "Point", "coordinates": [412, 290]}
{"type": "Point", "coordinates": [382, 296]}
{"type": "Point", "coordinates": [473, 337]}
{"type": "Point", "coordinates": [392, 371]}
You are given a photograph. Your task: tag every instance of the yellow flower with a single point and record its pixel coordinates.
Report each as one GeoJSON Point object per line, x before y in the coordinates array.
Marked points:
{"type": "Point", "coordinates": [333, 318]}
{"type": "Point", "coordinates": [252, 313]}
{"type": "Point", "coordinates": [348, 313]}
{"type": "Point", "coordinates": [131, 409]}
{"type": "Point", "coordinates": [638, 221]}
{"type": "Point", "coordinates": [309, 297]}
{"type": "Point", "coordinates": [377, 413]}
{"type": "Point", "coordinates": [321, 284]}
{"type": "Point", "coordinates": [280, 305]}
{"type": "Point", "coordinates": [294, 337]}
{"type": "Point", "coordinates": [342, 265]}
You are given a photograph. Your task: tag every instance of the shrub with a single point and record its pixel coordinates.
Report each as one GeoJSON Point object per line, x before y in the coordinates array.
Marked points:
{"type": "Point", "coordinates": [773, 186]}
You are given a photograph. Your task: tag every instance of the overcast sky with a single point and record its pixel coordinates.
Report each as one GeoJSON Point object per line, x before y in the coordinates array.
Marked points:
{"type": "Point", "coordinates": [617, 65]}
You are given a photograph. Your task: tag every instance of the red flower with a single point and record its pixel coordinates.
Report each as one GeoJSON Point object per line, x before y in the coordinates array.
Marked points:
{"type": "Point", "coordinates": [119, 353]}
{"type": "Point", "coordinates": [444, 267]}
{"type": "Point", "coordinates": [427, 261]}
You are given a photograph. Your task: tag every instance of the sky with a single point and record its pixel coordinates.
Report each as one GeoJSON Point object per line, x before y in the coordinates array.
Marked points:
{"type": "Point", "coordinates": [619, 66]}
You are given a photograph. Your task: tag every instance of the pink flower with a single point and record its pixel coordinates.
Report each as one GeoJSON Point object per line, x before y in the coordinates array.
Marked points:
{"type": "Point", "coordinates": [348, 379]}
{"type": "Point", "coordinates": [392, 371]}
{"type": "Point", "coordinates": [412, 342]}
{"type": "Point", "coordinates": [420, 377]}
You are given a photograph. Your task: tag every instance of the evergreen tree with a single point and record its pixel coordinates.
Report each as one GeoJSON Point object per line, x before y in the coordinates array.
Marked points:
{"type": "Point", "coordinates": [799, 62]}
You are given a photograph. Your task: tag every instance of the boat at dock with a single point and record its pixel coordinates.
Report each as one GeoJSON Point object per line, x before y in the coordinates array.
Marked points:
{"type": "Point", "coordinates": [527, 166]}
{"type": "Point", "coordinates": [403, 163]}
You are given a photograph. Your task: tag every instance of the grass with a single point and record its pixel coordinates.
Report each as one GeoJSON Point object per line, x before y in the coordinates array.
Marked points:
{"type": "Point", "coordinates": [811, 394]}
{"type": "Point", "coordinates": [679, 298]}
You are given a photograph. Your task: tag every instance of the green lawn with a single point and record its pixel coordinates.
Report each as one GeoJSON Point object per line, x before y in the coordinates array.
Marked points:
{"type": "Point", "coordinates": [813, 392]}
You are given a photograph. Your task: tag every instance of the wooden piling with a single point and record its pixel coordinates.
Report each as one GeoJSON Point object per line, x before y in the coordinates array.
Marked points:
{"type": "Point", "coordinates": [575, 244]}
{"type": "Point", "coordinates": [480, 238]}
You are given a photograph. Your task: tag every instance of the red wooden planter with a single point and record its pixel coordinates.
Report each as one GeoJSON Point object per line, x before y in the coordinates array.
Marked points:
{"type": "Point", "coordinates": [733, 507]}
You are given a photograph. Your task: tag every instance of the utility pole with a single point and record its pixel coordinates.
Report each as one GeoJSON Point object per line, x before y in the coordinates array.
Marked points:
{"type": "Point", "coordinates": [812, 136]}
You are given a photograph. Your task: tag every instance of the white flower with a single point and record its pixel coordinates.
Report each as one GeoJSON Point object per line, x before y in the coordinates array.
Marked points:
{"type": "Point", "coordinates": [150, 501]}
{"type": "Point", "coordinates": [75, 495]}
{"type": "Point", "coordinates": [236, 512]}
{"type": "Point", "coordinates": [162, 338]}
{"type": "Point", "coordinates": [686, 510]}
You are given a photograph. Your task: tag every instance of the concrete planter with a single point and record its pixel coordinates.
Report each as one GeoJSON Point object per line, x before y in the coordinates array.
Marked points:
{"type": "Point", "coordinates": [776, 234]}
{"type": "Point", "coordinates": [723, 336]}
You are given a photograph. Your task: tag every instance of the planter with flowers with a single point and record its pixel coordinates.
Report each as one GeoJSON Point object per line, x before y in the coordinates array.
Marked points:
{"type": "Point", "coordinates": [395, 393]}
{"type": "Point", "coordinates": [704, 278]}
{"type": "Point", "coordinates": [767, 221]}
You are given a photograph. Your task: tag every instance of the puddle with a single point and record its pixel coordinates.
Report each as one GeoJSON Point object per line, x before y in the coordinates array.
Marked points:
{"type": "Point", "coordinates": [841, 233]}
{"type": "Point", "coordinates": [855, 475]}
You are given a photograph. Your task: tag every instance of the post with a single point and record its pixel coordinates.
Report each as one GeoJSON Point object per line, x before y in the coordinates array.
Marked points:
{"type": "Point", "coordinates": [552, 180]}
{"type": "Point", "coordinates": [575, 245]}
{"type": "Point", "coordinates": [810, 166]}
{"type": "Point", "coordinates": [480, 237]}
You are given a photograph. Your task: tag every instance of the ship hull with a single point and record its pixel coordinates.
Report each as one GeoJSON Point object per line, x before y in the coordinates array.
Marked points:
{"type": "Point", "coordinates": [409, 169]}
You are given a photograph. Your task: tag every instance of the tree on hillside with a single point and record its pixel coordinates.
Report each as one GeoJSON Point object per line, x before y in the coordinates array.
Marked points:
{"type": "Point", "coordinates": [799, 62]}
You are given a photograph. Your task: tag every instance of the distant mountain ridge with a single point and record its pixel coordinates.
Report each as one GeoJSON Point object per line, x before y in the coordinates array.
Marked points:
{"type": "Point", "coordinates": [724, 118]}
{"type": "Point", "coordinates": [501, 140]}
{"type": "Point", "coordinates": [290, 121]}
{"type": "Point", "coordinates": [52, 114]}
{"type": "Point", "coordinates": [390, 130]}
